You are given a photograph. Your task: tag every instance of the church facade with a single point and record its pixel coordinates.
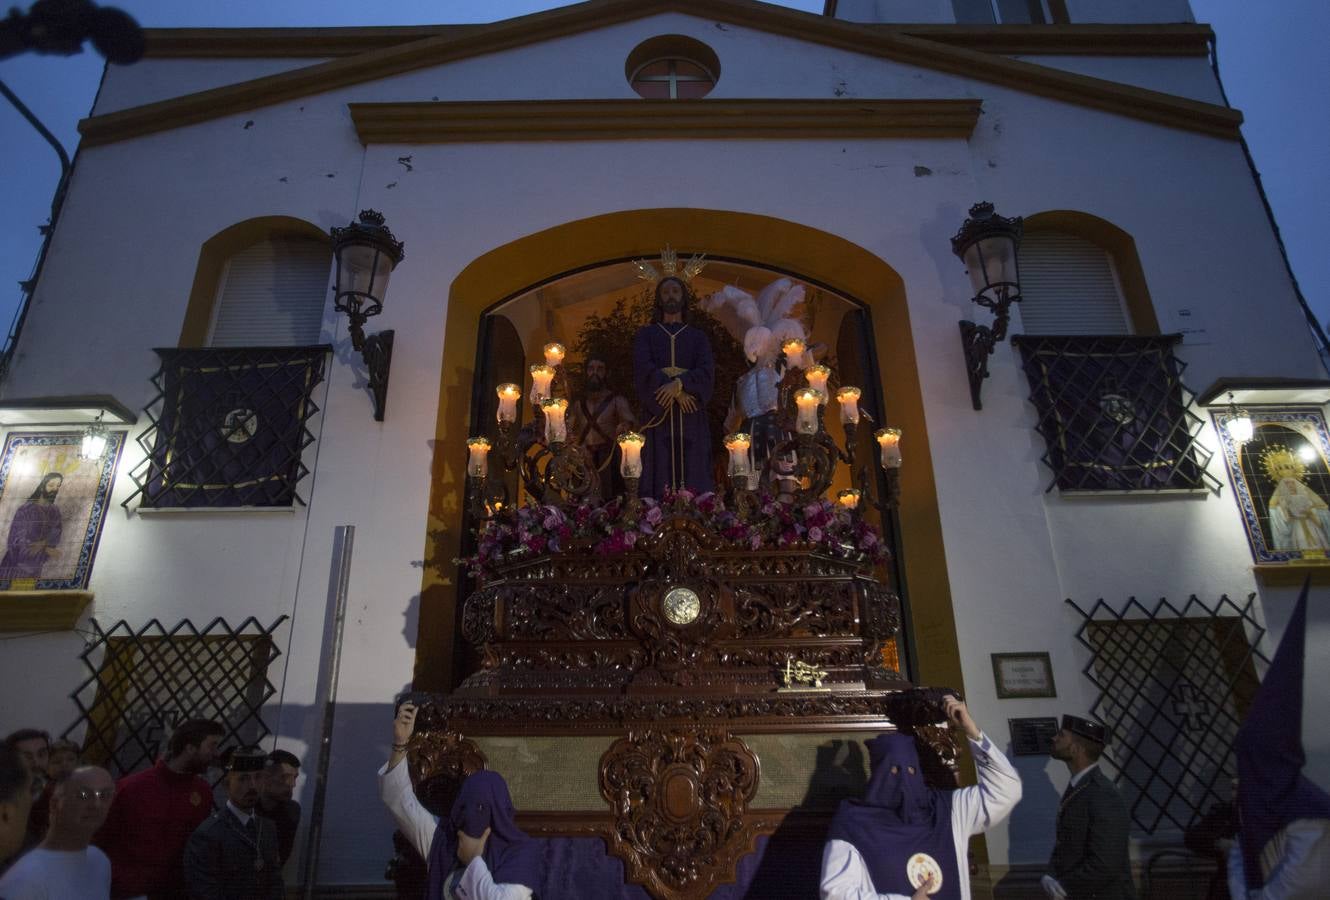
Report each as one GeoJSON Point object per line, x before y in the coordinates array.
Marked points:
{"type": "Point", "coordinates": [524, 165]}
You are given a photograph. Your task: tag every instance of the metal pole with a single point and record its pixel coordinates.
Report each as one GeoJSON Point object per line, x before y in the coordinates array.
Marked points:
{"type": "Point", "coordinates": [339, 578]}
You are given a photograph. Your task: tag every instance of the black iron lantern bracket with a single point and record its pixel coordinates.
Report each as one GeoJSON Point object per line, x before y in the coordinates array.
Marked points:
{"type": "Point", "coordinates": [361, 287]}
{"type": "Point", "coordinates": [988, 244]}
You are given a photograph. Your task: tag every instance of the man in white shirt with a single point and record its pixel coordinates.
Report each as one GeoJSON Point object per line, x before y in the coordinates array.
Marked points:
{"type": "Point", "coordinates": [479, 853]}
{"type": "Point", "coordinates": [906, 840]}
{"type": "Point", "coordinates": [64, 864]}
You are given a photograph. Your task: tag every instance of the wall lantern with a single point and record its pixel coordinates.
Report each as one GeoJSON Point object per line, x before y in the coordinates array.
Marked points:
{"type": "Point", "coordinates": [988, 244]}
{"type": "Point", "coordinates": [366, 254]}
{"type": "Point", "coordinates": [95, 436]}
{"type": "Point", "coordinates": [1238, 423]}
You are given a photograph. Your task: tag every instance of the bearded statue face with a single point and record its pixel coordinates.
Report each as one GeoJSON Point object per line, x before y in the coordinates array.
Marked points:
{"type": "Point", "coordinates": [671, 296]}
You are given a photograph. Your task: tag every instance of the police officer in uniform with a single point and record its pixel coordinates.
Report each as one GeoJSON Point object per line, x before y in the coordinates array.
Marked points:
{"type": "Point", "coordinates": [233, 855]}
{"type": "Point", "coordinates": [1091, 859]}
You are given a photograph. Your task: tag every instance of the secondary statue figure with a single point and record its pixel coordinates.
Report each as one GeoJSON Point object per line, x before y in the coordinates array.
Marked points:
{"type": "Point", "coordinates": [674, 373]}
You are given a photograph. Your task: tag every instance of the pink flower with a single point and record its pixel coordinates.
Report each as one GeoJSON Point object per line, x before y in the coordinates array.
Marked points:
{"type": "Point", "coordinates": [654, 515]}
{"type": "Point", "coordinates": [630, 538]}
{"type": "Point", "coordinates": [868, 540]}
{"type": "Point", "coordinates": [815, 533]}
{"type": "Point", "coordinates": [755, 541]}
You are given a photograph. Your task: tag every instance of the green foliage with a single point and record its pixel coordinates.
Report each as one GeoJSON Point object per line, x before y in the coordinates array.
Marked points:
{"type": "Point", "coordinates": [610, 337]}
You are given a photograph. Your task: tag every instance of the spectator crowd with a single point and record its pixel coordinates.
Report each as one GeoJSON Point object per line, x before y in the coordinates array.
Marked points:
{"type": "Point", "coordinates": [69, 830]}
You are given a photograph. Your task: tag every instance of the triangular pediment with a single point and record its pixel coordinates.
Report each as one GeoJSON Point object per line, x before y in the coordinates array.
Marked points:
{"type": "Point", "coordinates": [451, 45]}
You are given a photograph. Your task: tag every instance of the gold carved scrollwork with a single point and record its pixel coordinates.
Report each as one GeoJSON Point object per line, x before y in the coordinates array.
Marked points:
{"type": "Point", "coordinates": [679, 800]}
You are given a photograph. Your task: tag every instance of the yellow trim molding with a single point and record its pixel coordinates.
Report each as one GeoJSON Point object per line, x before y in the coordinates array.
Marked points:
{"type": "Point", "coordinates": [1097, 93]}
{"type": "Point", "coordinates": [577, 120]}
{"type": "Point", "coordinates": [42, 610]}
{"type": "Point", "coordinates": [331, 43]}
{"type": "Point", "coordinates": [1292, 574]}
{"type": "Point", "coordinates": [762, 240]}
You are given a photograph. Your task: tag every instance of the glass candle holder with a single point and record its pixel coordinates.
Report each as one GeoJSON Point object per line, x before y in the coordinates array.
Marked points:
{"type": "Point", "coordinates": [848, 398]}
{"type": "Point", "coordinates": [630, 454]}
{"type": "Point", "coordinates": [807, 401]}
{"type": "Point", "coordinates": [509, 394]}
{"type": "Point", "coordinates": [738, 444]}
{"type": "Point", "coordinates": [541, 376]}
{"type": "Point", "coordinates": [817, 376]}
{"type": "Point", "coordinates": [477, 461]}
{"type": "Point", "coordinates": [556, 431]}
{"type": "Point", "coordinates": [889, 439]}
{"type": "Point", "coordinates": [554, 354]}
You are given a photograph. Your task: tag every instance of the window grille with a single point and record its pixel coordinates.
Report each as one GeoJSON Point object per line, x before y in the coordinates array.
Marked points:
{"type": "Point", "coordinates": [1174, 686]}
{"type": "Point", "coordinates": [147, 681]}
{"type": "Point", "coordinates": [1068, 286]}
{"type": "Point", "coordinates": [228, 427]}
{"type": "Point", "coordinates": [273, 295]}
{"type": "Point", "coordinates": [1114, 413]}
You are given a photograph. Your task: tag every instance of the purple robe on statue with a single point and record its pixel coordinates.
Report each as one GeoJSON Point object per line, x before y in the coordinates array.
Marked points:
{"type": "Point", "coordinates": [678, 448]}
{"type": "Point", "coordinates": [35, 530]}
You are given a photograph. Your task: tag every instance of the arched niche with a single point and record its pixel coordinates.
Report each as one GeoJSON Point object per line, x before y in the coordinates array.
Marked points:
{"type": "Point", "coordinates": [817, 256]}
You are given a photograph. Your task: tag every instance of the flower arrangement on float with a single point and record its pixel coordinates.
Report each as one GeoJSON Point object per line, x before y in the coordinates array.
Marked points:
{"type": "Point", "coordinates": [536, 529]}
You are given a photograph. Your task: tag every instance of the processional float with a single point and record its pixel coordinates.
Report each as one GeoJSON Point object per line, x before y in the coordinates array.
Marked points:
{"type": "Point", "coordinates": [679, 678]}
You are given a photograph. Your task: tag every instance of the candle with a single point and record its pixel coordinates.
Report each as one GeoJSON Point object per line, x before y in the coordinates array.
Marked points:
{"type": "Point", "coordinates": [738, 444]}
{"type": "Point", "coordinates": [817, 379]}
{"type": "Point", "coordinates": [808, 400]}
{"type": "Point", "coordinates": [555, 430]}
{"type": "Point", "coordinates": [889, 439]}
{"type": "Point", "coordinates": [477, 463]}
{"type": "Point", "coordinates": [848, 498]}
{"type": "Point", "coordinates": [509, 394]}
{"type": "Point", "coordinates": [541, 376]}
{"type": "Point", "coordinates": [630, 450]}
{"type": "Point", "coordinates": [848, 398]}
{"type": "Point", "coordinates": [554, 353]}
{"type": "Point", "coordinates": [793, 349]}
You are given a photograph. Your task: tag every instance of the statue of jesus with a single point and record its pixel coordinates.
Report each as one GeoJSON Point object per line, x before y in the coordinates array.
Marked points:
{"type": "Point", "coordinates": [674, 373]}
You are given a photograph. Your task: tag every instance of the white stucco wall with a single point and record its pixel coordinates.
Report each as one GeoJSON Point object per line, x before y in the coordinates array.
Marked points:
{"type": "Point", "coordinates": [1014, 553]}
{"type": "Point", "coordinates": [157, 79]}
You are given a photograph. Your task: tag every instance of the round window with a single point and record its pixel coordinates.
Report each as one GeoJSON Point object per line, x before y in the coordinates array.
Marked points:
{"type": "Point", "coordinates": [672, 67]}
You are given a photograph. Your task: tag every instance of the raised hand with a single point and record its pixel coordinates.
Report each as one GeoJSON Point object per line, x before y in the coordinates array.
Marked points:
{"type": "Point", "coordinates": [404, 725]}
{"type": "Point", "coordinates": [958, 716]}
{"type": "Point", "coordinates": [921, 892]}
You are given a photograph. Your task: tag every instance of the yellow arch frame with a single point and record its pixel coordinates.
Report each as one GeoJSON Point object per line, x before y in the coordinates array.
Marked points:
{"type": "Point", "coordinates": [783, 245]}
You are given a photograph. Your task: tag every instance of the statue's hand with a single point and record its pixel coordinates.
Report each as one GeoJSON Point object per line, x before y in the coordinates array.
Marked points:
{"type": "Point", "coordinates": [667, 392]}
{"type": "Point", "coordinates": [687, 403]}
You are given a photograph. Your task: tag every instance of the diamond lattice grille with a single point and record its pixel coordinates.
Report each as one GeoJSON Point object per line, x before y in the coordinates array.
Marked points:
{"type": "Point", "coordinates": [1174, 685]}
{"type": "Point", "coordinates": [1114, 413]}
{"type": "Point", "coordinates": [145, 682]}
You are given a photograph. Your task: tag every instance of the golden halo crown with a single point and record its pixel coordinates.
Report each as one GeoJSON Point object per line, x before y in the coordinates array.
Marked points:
{"type": "Point", "coordinates": [669, 267]}
{"type": "Point", "coordinates": [1279, 459]}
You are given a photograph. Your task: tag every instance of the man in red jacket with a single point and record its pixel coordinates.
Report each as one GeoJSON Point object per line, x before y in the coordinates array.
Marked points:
{"type": "Point", "coordinates": [156, 810]}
